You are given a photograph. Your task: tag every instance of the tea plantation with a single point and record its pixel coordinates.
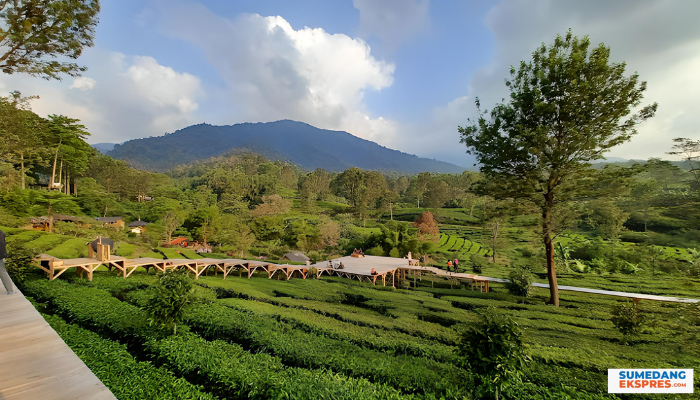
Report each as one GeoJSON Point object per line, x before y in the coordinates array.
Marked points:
{"type": "Point", "coordinates": [335, 338]}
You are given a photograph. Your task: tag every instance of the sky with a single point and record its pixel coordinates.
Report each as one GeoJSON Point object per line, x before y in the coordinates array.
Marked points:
{"type": "Point", "coordinates": [402, 73]}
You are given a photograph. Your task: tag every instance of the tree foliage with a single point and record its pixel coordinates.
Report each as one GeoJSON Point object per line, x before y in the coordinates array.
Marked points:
{"type": "Point", "coordinates": [567, 107]}
{"type": "Point", "coordinates": [493, 349]}
{"type": "Point", "coordinates": [170, 299]}
{"type": "Point", "coordinates": [427, 227]}
{"type": "Point", "coordinates": [37, 35]}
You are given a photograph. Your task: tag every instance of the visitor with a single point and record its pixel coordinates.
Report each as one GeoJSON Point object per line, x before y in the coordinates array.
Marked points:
{"type": "Point", "coordinates": [341, 266]}
{"type": "Point", "coordinates": [4, 277]}
{"type": "Point", "coordinates": [449, 265]}
{"type": "Point", "coordinates": [456, 265]}
{"type": "Point", "coordinates": [361, 253]}
{"type": "Point", "coordinates": [374, 271]}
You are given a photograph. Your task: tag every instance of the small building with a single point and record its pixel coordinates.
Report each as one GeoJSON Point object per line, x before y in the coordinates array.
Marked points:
{"type": "Point", "coordinates": [180, 241]}
{"type": "Point", "coordinates": [138, 227]}
{"type": "Point", "coordinates": [42, 223]}
{"type": "Point", "coordinates": [295, 256]}
{"type": "Point", "coordinates": [112, 222]}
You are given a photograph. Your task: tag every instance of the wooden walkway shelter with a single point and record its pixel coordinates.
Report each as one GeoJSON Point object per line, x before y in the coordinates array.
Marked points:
{"type": "Point", "coordinates": [287, 270]}
{"type": "Point", "coordinates": [198, 266]}
{"type": "Point", "coordinates": [360, 268]}
{"type": "Point", "coordinates": [54, 266]}
{"type": "Point", "coordinates": [231, 264]}
{"type": "Point", "coordinates": [397, 268]}
{"type": "Point", "coordinates": [35, 363]}
{"type": "Point", "coordinates": [354, 268]}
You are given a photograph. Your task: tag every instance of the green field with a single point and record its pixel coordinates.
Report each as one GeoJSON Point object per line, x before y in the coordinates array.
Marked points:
{"type": "Point", "coordinates": [375, 342]}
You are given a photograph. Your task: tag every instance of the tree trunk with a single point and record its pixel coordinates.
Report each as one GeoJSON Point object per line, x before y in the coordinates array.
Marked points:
{"type": "Point", "coordinates": [495, 237]}
{"type": "Point", "coordinates": [75, 187]}
{"type": "Point", "coordinates": [549, 248]}
{"type": "Point", "coordinates": [53, 170]}
{"type": "Point", "coordinates": [21, 162]}
{"type": "Point", "coordinates": [50, 218]}
{"type": "Point", "coordinates": [60, 175]}
{"type": "Point", "coordinates": [645, 218]}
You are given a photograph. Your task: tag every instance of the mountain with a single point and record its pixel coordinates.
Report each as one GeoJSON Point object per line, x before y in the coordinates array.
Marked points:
{"type": "Point", "coordinates": [104, 148]}
{"type": "Point", "coordinates": [296, 142]}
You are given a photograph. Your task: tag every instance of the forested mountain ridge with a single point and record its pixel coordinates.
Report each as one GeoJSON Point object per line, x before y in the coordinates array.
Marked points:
{"type": "Point", "coordinates": [297, 142]}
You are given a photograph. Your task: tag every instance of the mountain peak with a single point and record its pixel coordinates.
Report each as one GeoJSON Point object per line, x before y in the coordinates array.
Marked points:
{"type": "Point", "coordinates": [287, 140]}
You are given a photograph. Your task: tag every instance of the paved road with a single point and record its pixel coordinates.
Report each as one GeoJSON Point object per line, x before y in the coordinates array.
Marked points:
{"type": "Point", "coordinates": [629, 295]}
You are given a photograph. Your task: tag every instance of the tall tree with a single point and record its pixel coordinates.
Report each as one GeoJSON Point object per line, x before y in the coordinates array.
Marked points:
{"type": "Point", "coordinates": [35, 33]}
{"type": "Point", "coordinates": [314, 186]}
{"type": "Point", "coordinates": [427, 227]}
{"type": "Point", "coordinates": [65, 133]}
{"type": "Point", "coordinates": [20, 130]}
{"type": "Point", "coordinates": [567, 107]}
{"type": "Point", "coordinates": [690, 151]}
{"type": "Point", "coordinates": [349, 184]}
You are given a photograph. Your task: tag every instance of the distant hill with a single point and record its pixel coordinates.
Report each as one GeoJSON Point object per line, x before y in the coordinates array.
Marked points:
{"type": "Point", "coordinates": [104, 148]}
{"type": "Point", "coordinates": [296, 142]}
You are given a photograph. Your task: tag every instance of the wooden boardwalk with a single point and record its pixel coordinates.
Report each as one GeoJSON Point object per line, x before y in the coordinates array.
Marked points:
{"type": "Point", "coordinates": [359, 268]}
{"type": "Point", "coordinates": [35, 363]}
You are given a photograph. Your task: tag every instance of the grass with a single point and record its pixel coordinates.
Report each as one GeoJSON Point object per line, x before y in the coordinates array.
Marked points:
{"type": "Point", "coordinates": [72, 248]}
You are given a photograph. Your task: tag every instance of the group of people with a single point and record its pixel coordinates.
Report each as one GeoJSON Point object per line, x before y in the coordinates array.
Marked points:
{"type": "Point", "coordinates": [453, 264]}
{"type": "Point", "coordinates": [336, 266]}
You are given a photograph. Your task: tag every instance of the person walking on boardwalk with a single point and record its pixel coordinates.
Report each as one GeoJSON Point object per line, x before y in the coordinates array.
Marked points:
{"type": "Point", "coordinates": [4, 277]}
{"type": "Point", "coordinates": [449, 265]}
{"type": "Point", "coordinates": [456, 264]}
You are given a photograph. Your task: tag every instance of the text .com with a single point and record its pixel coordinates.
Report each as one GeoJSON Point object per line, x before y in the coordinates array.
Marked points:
{"type": "Point", "coordinates": [650, 381]}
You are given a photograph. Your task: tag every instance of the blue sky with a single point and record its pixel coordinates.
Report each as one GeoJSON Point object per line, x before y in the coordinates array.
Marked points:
{"type": "Point", "coordinates": [403, 73]}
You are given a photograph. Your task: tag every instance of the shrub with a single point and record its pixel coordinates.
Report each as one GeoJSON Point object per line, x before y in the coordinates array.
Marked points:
{"type": "Point", "coordinates": [19, 261]}
{"type": "Point", "coordinates": [9, 220]}
{"type": "Point", "coordinates": [376, 251]}
{"type": "Point", "coordinates": [493, 350]}
{"type": "Point", "coordinates": [694, 263]}
{"type": "Point", "coordinates": [627, 318]}
{"type": "Point", "coordinates": [312, 272]}
{"type": "Point", "coordinates": [526, 252]}
{"type": "Point", "coordinates": [629, 268]}
{"type": "Point", "coordinates": [520, 282]}
{"type": "Point", "coordinates": [170, 298]}
{"type": "Point", "coordinates": [478, 263]}
{"type": "Point", "coordinates": [125, 377]}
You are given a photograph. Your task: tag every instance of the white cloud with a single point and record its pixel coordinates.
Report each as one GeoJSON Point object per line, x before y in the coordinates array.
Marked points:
{"type": "Point", "coordinates": [393, 21]}
{"type": "Point", "coordinates": [273, 71]}
{"type": "Point", "coordinates": [136, 97]}
{"type": "Point", "coordinates": [660, 40]}
{"type": "Point", "coordinates": [162, 86]}
{"type": "Point", "coordinates": [83, 83]}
